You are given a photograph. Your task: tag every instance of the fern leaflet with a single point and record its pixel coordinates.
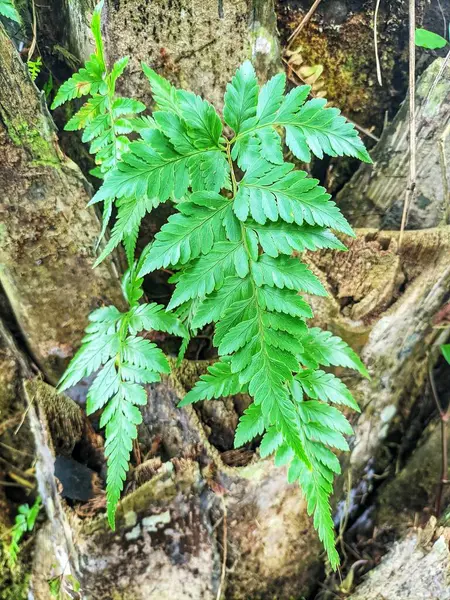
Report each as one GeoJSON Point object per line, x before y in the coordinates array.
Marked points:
{"type": "Point", "coordinates": [8, 10]}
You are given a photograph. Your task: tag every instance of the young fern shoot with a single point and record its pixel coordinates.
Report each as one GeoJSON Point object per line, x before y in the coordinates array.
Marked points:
{"type": "Point", "coordinates": [127, 362]}
{"type": "Point", "coordinates": [242, 211]}
{"type": "Point", "coordinates": [24, 521]}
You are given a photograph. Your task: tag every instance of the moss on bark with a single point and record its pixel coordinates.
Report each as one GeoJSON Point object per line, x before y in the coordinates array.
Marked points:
{"type": "Point", "coordinates": [47, 234]}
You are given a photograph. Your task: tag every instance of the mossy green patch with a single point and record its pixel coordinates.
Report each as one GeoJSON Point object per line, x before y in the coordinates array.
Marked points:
{"type": "Point", "coordinates": [349, 73]}
{"type": "Point", "coordinates": [13, 584]}
{"type": "Point", "coordinates": [33, 141]}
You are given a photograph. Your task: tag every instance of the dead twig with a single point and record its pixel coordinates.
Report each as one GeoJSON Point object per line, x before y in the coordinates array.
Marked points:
{"type": "Point", "coordinates": [34, 29]}
{"type": "Point", "coordinates": [443, 165]}
{"type": "Point", "coordinates": [11, 484]}
{"type": "Point", "coordinates": [20, 477]}
{"type": "Point", "coordinates": [443, 17]}
{"type": "Point", "coordinates": [411, 188]}
{"type": "Point", "coordinates": [22, 481]}
{"type": "Point", "coordinates": [224, 549]}
{"type": "Point", "coordinates": [375, 41]}
{"type": "Point", "coordinates": [9, 423]}
{"type": "Point", "coordinates": [137, 452]}
{"type": "Point", "coordinates": [303, 22]}
{"type": "Point", "coordinates": [362, 129]}
{"type": "Point", "coordinates": [24, 416]}
{"type": "Point", "coordinates": [11, 449]}
{"type": "Point", "coordinates": [344, 521]}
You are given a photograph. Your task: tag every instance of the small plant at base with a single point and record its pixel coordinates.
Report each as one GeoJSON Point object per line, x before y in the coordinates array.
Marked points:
{"type": "Point", "coordinates": [34, 67]}
{"type": "Point", "coordinates": [128, 361]}
{"type": "Point", "coordinates": [230, 244]}
{"type": "Point", "coordinates": [64, 587]}
{"type": "Point", "coordinates": [24, 521]}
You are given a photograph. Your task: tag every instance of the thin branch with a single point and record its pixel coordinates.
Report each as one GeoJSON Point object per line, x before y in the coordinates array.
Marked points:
{"type": "Point", "coordinates": [375, 42]}
{"type": "Point", "coordinates": [34, 28]}
{"type": "Point", "coordinates": [443, 17]}
{"type": "Point", "coordinates": [362, 129]}
{"type": "Point", "coordinates": [435, 394]}
{"type": "Point", "coordinates": [344, 521]}
{"type": "Point", "coordinates": [10, 484]}
{"type": "Point", "coordinates": [439, 338]}
{"type": "Point", "coordinates": [411, 189]}
{"type": "Point", "coordinates": [137, 452]}
{"type": "Point", "coordinates": [303, 22]}
{"type": "Point", "coordinates": [11, 449]}
{"type": "Point", "coordinates": [224, 550]}
{"type": "Point", "coordinates": [22, 480]}
{"type": "Point", "coordinates": [444, 417]}
{"type": "Point", "coordinates": [24, 416]}
{"type": "Point", "coordinates": [9, 423]}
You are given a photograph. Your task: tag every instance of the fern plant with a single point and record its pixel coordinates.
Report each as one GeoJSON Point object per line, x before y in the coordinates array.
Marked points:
{"type": "Point", "coordinates": [241, 213]}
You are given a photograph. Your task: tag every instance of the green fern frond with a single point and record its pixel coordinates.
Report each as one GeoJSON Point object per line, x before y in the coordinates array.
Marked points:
{"type": "Point", "coordinates": [124, 363]}
{"type": "Point", "coordinates": [106, 119]}
{"type": "Point", "coordinates": [250, 292]}
{"type": "Point", "coordinates": [230, 243]}
{"type": "Point", "coordinates": [269, 192]}
{"type": "Point", "coordinates": [310, 127]}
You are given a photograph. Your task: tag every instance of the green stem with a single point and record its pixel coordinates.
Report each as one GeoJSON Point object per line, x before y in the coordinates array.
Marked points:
{"type": "Point", "coordinates": [244, 239]}
{"type": "Point", "coordinates": [230, 163]}
{"type": "Point", "coordinates": [111, 98]}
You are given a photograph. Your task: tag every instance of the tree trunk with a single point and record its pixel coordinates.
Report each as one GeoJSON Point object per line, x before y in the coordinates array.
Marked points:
{"type": "Point", "coordinates": [48, 235]}
{"type": "Point", "coordinates": [198, 45]}
{"type": "Point", "coordinates": [198, 519]}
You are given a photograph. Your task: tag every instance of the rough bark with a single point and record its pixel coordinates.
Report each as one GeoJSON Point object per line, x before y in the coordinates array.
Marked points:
{"type": "Point", "coordinates": [416, 568]}
{"type": "Point", "coordinates": [383, 301]}
{"type": "Point", "coordinates": [47, 235]}
{"type": "Point", "coordinates": [375, 195]}
{"type": "Point", "coordinates": [196, 44]}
